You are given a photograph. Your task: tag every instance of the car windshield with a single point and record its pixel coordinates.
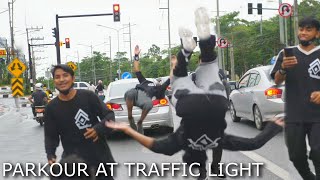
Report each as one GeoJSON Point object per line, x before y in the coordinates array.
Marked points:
{"type": "Point", "coordinates": [120, 89]}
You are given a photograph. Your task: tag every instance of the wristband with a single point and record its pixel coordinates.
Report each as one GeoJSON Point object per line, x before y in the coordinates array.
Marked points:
{"type": "Point", "coordinates": [282, 71]}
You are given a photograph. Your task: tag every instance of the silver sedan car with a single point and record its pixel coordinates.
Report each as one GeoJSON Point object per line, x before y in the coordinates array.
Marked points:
{"type": "Point", "coordinates": [256, 97]}
{"type": "Point", "coordinates": [160, 115]}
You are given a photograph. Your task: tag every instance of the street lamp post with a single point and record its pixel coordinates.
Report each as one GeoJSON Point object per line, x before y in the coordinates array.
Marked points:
{"type": "Point", "coordinates": [117, 30]}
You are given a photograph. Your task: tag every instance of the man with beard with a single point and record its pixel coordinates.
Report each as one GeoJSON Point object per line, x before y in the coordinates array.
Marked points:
{"type": "Point", "coordinates": [77, 118]}
{"type": "Point", "coordinates": [300, 69]}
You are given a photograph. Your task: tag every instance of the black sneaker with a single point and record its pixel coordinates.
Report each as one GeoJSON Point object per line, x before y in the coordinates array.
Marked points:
{"type": "Point", "coordinates": [203, 174]}
{"type": "Point", "coordinates": [132, 124]}
{"type": "Point", "coordinates": [217, 172]}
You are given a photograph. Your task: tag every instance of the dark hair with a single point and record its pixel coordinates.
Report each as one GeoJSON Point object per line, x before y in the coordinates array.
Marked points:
{"type": "Point", "coordinates": [309, 22]}
{"type": "Point", "coordinates": [64, 67]}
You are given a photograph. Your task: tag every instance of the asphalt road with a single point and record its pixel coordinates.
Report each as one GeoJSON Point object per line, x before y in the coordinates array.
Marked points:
{"type": "Point", "coordinates": [21, 141]}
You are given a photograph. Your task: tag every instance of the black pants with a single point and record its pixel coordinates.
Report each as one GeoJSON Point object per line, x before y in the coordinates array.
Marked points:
{"type": "Point", "coordinates": [295, 135]}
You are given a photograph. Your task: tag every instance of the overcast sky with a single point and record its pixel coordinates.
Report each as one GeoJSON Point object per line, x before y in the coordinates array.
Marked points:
{"type": "Point", "coordinates": [149, 23]}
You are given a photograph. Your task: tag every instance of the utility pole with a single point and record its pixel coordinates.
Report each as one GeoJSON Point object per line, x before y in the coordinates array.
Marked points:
{"type": "Point", "coordinates": [31, 60]}
{"type": "Point", "coordinates": [232, 62]}
{"type": "Point", "coordinates": [11, 28]}
{"type": "Point", "coordinates": [79, 66]}
{"type": "Point", "coordinates": [296, 19]}
{"type": "Point", "coordinates": [281, 26]}
{"type": "Point", "coordinates": [220, 60]}
{"type": "Point", "coordinates": [130, 42]}
{"type": "Point", "coordinates": [110, 60]}
{"type": "Point", "coordinates": [93, 66]}
{"type": "Point", "coordinates": [169, 34]}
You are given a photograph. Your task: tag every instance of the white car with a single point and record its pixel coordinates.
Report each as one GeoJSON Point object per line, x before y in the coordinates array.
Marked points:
{"type": "Point", "coordinates": [159, 116]}
{"type": "Point", "coordinates": [81, 85]}
{"type": "Point", "coordinates": [5, 90]}
{"type": "Point", "coordinates": [256, 97]}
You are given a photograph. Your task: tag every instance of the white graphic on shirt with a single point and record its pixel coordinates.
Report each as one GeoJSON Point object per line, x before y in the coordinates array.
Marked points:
{"type": "Point", "coordinates": [203, 143]}
{"type": "Point", "coordinates": [150, 84]}
{"type": "Point", "coordinates": [314, 70]}
{"type": "Point", "coordinates": [82, 119]}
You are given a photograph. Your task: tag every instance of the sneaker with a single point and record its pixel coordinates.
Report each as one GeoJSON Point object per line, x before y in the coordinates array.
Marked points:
{"type": "Point", "coordinates": [203, 174]}
{"type": "Point", "coordinates": [217, 172]}
{"type": "Point", "coordinates": [140, 128]}
{"type": "Point", "coordinates": [202, 22]}
{"type": "Point", "coordinates": [188, 42]}
{"type": "Point", "coordinates": [132, 124]}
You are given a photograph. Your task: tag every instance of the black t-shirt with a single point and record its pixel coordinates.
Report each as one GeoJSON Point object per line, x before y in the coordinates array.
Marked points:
{"type": "Point", "coordinates": [100, 87]}
{"type": "Point", "coordinates": [301, 81]}
{"type": "Point", "coordinates": [68, 120]}
{"type": "Point", "coordinates": [38, 98]}
{"type": "Point", "coordinates": [150, 88]}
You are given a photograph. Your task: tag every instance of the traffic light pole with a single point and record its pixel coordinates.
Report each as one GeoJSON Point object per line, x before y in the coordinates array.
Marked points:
{"type": "Point", "coordinates": [57, 29]}
{"type": "Point", "coordinates": [57, 44]}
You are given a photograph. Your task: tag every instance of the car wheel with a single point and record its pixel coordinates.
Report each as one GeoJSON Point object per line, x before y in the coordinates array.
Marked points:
{"type": "Point", "coordinates": [257, 118]}
{"type": "Point", "coordinates": [233, 113]}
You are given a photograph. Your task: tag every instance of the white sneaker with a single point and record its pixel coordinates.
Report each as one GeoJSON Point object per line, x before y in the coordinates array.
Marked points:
{"type": "Point", "coordinates": [202, 22]}
{"type": "Point", "coordinates": [187, 39]}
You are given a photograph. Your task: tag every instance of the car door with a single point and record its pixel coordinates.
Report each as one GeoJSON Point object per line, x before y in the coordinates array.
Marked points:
{"type": "Point", "coordinates": [83, 86]}
{"type": "Point", "coordinates": [249, 92]}
{"type": "Point", "coordinates": [239, 98]}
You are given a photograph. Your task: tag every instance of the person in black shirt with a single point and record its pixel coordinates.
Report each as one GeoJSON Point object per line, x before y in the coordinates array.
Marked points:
{"type": "Point", "coordinates": [142, 94]}
{"type": "Point", "coordinates": [38, 98]}
{"type": "Point", "coordinates": [301, 73]}
{"type": "Point", "coordinates": [77, 118]}
{"type": "Point", "coordinates": [202, 106]}
{"type": "Point", "coordinates": [216, 152]}
{"type": "Point", "coordinates": [99, 86]}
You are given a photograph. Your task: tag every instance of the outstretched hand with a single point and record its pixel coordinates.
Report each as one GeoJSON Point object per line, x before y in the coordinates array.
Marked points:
{"type": "Point", "coordinates": [279, 121]}
{"type": "Point", "coordinates": [137, 50]}
{"type": "Point", "coordinates": [117, 126]}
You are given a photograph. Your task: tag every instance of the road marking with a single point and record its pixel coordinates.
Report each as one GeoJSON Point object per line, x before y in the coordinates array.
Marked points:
{"type": "Point", "coordinates": [275, 169]}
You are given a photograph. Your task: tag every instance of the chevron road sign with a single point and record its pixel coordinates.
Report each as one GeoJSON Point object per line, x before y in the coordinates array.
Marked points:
{"type": "Point", "coordinates": [16, 67]}
{"type": "Point", "coordinates": [72, 65]}
{"type": "Point", "coordinates": [17, 86]}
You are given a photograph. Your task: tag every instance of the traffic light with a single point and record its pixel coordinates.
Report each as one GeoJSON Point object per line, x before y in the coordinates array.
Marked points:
{"type": "Point", "coordinates": [54, 32]}
{"type": "Point", "coordinates": [116, 12]}
{"type": "Point", "coordinates": [249, 8]}
{"type": "Point", "coordinates": [259, 8]}
{"type": "Point", "coordinates": [67, 41]}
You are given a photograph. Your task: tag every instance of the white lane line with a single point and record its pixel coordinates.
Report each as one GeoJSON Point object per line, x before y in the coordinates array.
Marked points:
{"type": "Point", "coordinates": [275, 169]}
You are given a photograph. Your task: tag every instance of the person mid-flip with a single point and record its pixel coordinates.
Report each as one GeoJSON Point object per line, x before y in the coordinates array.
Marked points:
{"type": "Point", "coordinates": [142, 94]}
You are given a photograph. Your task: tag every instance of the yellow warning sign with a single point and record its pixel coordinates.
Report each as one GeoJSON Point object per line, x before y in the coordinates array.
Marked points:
{"type": "Point", "coordinates": [72, 65]}
{"type": "Point", "coordinates": [16, 67]}
{"type": "Point", "coordinates": [17, 86]}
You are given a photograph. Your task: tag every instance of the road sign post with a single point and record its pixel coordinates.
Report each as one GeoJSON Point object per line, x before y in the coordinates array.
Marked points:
{"type": "Point", "coordinates": [222, 42]}
{"type": "Point", "coordinates": [285, 10]}
{"type": "Point", "coordinates": [17, 87]}
{"type": "Point", "coordinates": [16, 67]}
